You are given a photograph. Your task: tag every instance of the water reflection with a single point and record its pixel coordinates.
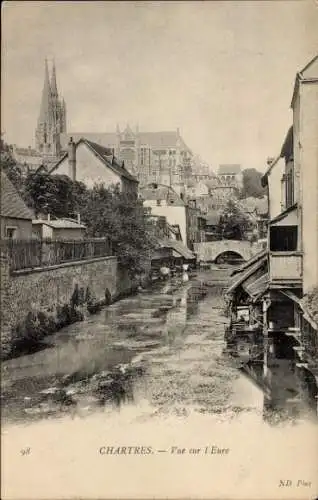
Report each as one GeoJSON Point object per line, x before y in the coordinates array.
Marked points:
{"type": "Point", "coordinates": [165, 346]}
{"type": "Point", "coordinates": [283, 394]}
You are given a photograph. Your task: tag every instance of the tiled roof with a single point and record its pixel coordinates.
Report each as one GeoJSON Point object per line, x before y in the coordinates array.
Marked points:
{"type": "Point", "coordinates": [12, 205]}
{"type": "Point", "coordinates": [155, 140]}
{"type": "Point", "coordinates": [161, 192]}
{"type": "Point", "coordinates": [229, 169]}
{"type": "Point", "coordinates": [212, 183]}
{"type": "Point", "coordinates": [244, 274]}
{"type": "Point", "coordinates": [179, 247]}
{"type": "Point", "coordinates": [60, 223]}
{"type": "Point", "coordinates": [250, 262]}
{"type": "Point", "coordinates": [107, 155]}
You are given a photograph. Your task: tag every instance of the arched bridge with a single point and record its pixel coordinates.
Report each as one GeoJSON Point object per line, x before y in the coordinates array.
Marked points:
{"type": "Point", "coordinates": [211, 251]}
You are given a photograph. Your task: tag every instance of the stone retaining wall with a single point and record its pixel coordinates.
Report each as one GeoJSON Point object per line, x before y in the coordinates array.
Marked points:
{"type": "Point", "coordinates": [35, 302]}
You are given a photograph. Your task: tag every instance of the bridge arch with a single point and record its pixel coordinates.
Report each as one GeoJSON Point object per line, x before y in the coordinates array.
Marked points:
{"type": "Point", "coordinates": [209, 251]}
{"type": "Point", "coordinates": [229, 255]}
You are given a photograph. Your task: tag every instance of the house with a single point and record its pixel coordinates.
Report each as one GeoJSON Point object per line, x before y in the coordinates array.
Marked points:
{"type": "Point", "coordinates": [212, 225]}
{"type": "Point", "coordinates": [16, 217]}
{"type": "Point", "coordinates": [196, 189]}
{"type": "Point", "coordinates": [164, 201]}
{"type": "Point", "coordinates": [293, 233]}
{"type": "Point", "coordinates": [58, 229]}
{"type": "Point", "coordinates": [230, 175]}
{"type": "Point", "coordinates": [289, 278]}
{"type": "Point", "coordinates": [91, 163]}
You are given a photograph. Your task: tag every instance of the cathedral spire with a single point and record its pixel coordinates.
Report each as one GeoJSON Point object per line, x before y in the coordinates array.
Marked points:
{"type": "Point", "coordinates": [53, 81]}
{"type": "Point", "coordinates": [45, 108]}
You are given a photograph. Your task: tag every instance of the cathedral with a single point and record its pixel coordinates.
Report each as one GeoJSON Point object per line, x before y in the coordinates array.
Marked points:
{"type": "Point", "coordinates": [52, 119]}
{"type": "Point", "coordinates": [152, 157]}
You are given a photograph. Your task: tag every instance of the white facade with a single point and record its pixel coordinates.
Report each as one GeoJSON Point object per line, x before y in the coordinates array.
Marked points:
{"type": "Point", "coordinates": [89, 168]}
{"type": "Point", "coordinates": [276, 196]}
{"type": "Point", "coordinates": [305, 108]}
{"type": "Point", "coordinates": [174, 215]}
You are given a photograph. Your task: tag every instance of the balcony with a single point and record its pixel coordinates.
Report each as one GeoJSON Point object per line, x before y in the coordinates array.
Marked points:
{"type": "Point", "coordinates": [285, 268]}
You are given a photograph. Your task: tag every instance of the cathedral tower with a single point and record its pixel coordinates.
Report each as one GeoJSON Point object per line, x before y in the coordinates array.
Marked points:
{"type": "Point", "coordinates": [52, 117]}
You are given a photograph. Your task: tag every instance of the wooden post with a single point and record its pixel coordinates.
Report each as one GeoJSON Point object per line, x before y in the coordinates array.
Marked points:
{"type": "Point", "coordinates": [266, 304]}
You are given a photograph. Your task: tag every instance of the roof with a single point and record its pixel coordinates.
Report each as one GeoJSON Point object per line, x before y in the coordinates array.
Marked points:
{"type": "Point", "coordinates": [287, 150]}
{"type": "Point", "coordinates": [247, 264]}
{"type": "Point", "coordinates": [12, 205]}
{"type": "Point", "coordinates": [264, 179]}
{"type": "Point", "coordinates": [106, 155]}
{"type": "Point", "coordinates": [229, 169]}
{"type": "Point", "coordinates": [306, 75]}
{"type": "Point", "coordinates": [252, 267]}
{"type": "Point", "coordinates": [212, 183]}
{"type": "Point", "coordinates": [161, 192]}
{"type": "Point", "coordinates": [179, 247]}
{"type": "Point", "coordinates": [59, 223]}
{"type": "Point", "coordinates": [256, 287]}
{"type": "Point", "coordinates": [155, 140]}
{"type": "Point", "coordinates": [284, 214]}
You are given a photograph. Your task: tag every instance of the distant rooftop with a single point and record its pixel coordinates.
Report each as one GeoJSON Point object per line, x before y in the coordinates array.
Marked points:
{"type": "Point", "coordinates": [59, 223]}
{"type": "Point", "coordinates": [229, 169]}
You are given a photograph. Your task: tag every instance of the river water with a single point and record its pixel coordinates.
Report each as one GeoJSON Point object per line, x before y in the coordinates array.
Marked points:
{"type": "Point", "coordinates": [150, 372]}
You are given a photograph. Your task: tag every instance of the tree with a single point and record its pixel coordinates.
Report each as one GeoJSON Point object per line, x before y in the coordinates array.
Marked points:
{"type": "Point", "coordinates": [233, 222]}
{"type": "Point", "coordinates": [56, 195]}
{"type": "Point", "coordinates": [252, 184]}
{"type": "Point", "coordinates": [121, 217]}
{"type": "Point", "coordinates": [9, 165]}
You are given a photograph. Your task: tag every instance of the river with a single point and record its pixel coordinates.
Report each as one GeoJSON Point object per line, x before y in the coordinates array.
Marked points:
{"type": "Point", "coordinates": [151, 370]}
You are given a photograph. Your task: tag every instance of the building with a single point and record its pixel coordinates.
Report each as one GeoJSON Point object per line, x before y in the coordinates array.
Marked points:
{"type": "Point", "coordinates": [16, 217]}
{"type": "Point", "coordinates": [27, 158]}
{"type": "Point", "coordinates": [305, 131]}
{"type": "Point", "coordinates": [52, 119]}
{"type": "Point", "coordinates": [152, 157]}
{"type": "Point", "coordinates": [212, 225]}
{"type": "Point", "coordinates": [231, 175]}
{"type": "Point", "coordinates": [164, 201]}
{"type": "Point", "coordinates": [91, 163]}
{"type": "Point", "coordinates": [58, 229]}
{"type": "Point", "coordinates": [280, 287]}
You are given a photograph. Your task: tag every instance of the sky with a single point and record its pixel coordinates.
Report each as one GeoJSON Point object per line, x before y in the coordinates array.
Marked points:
{"type": "Point", "coordinates": [223, 72]}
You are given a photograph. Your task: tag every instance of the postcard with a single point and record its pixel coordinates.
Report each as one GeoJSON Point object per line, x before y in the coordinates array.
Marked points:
{"type": "Point", "coordinates": [159, 242]}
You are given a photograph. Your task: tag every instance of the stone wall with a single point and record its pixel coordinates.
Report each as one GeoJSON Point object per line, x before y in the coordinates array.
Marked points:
{"type": "Point", "coordinates": [210, 251]}
{"type": "Point", "coordinates": [55, 296]}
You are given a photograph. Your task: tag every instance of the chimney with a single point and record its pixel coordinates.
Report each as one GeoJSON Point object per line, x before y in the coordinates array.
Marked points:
{"type": "Point", "coordinates": [78, 218]}
{"type": "Point", "coordinates": [48, 217]}
{"type": "Point", "coordinates": [72, 159]}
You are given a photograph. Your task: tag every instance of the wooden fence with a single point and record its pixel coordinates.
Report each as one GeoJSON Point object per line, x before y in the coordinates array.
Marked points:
{"type": "Point", "coordinates": [28, 254]}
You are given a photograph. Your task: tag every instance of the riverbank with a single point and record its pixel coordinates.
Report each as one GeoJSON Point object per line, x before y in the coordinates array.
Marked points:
{"type": "Point", "coordinates": [32, 334]}
{"type": "Point", "coordinates": [184, 393]}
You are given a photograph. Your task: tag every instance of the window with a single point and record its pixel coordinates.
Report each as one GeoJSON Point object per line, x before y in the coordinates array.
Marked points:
{"type": "Point", "coordinates": [289, 189]}
{"type": "Point", "coordinates": [158, 203]}
{"type": "Point", "coordinates": [283, 238]}
{"type": "Point", "coordinates": [11, 232]}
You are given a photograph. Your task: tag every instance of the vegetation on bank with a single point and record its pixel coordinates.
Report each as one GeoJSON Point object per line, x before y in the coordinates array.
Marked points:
{"type": "Point", "coordinates": [233, 223]}
{"type": "Point", "coordinates": [107, 212]}
{"type": "Point", "coordinates": [310, 304]}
